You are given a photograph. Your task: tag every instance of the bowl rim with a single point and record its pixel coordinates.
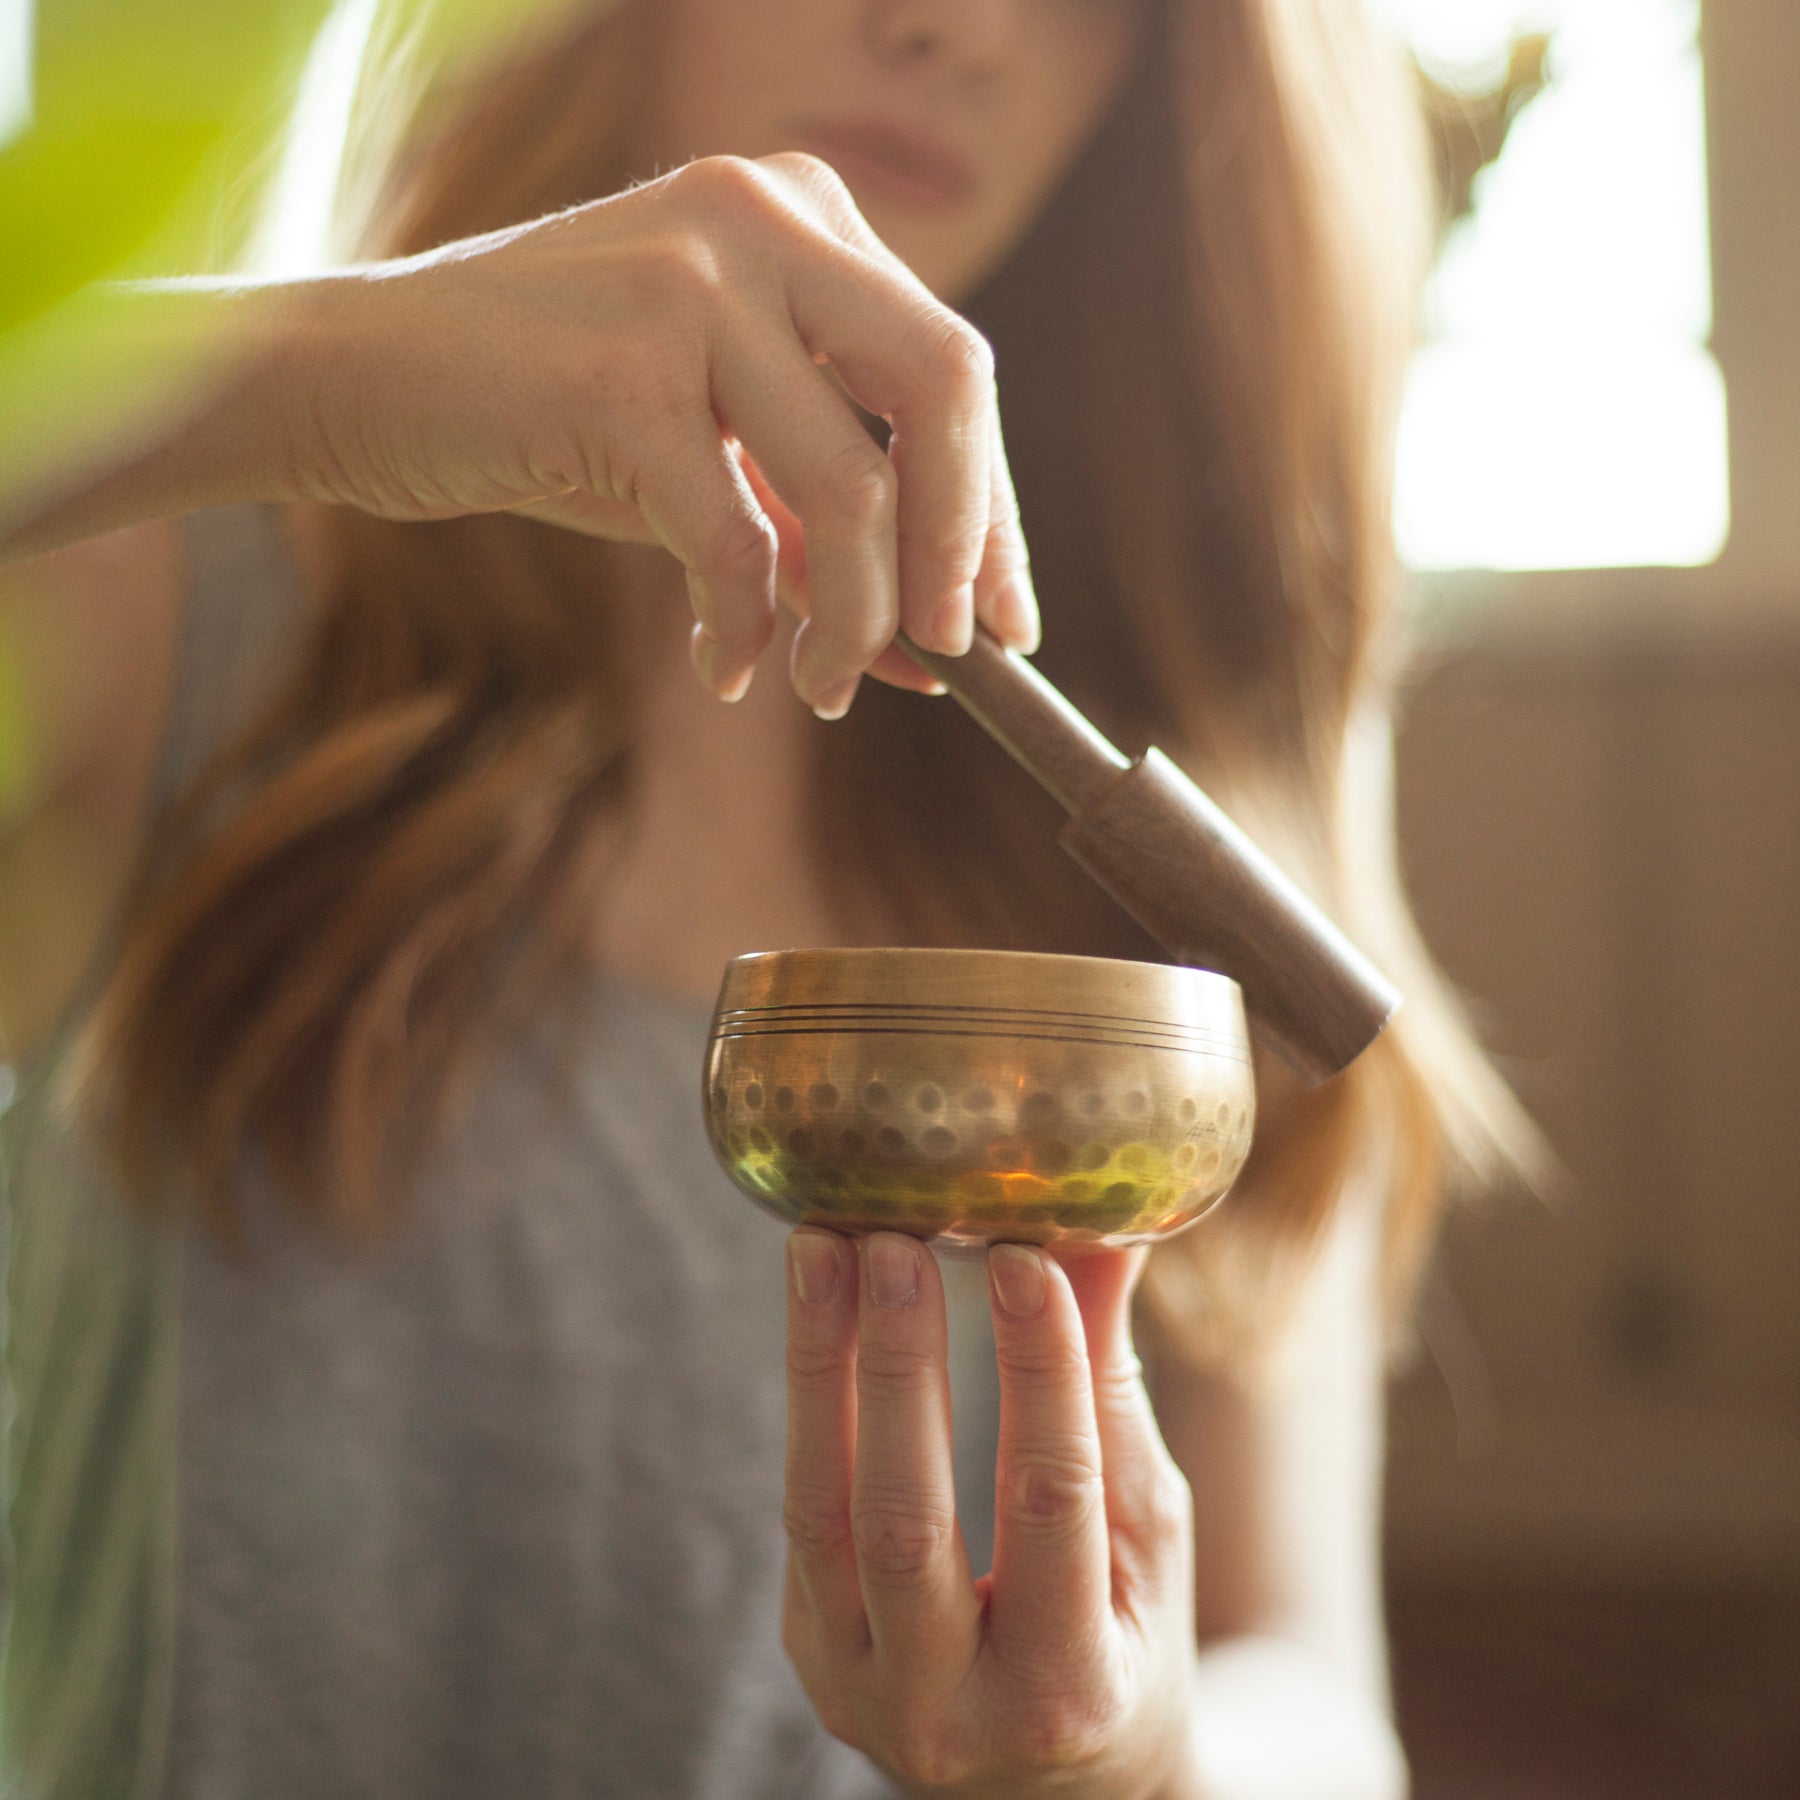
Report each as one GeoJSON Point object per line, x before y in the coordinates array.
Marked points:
{"type": "Point", "coordinates": [873, 952]}
{"type": "Point", "coordinates": [881, 981]}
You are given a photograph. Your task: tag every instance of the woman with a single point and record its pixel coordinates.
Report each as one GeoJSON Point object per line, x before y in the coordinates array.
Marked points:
{"type": "Point", "coordinates": [397, 1399]}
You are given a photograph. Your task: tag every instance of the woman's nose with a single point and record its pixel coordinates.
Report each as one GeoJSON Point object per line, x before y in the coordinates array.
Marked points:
{"type": "Point", "coordinates": [968, 38]}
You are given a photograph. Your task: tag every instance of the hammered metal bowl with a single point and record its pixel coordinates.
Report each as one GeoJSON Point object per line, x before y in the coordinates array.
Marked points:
{"type": "Point", "coordinates": [979, 1096]}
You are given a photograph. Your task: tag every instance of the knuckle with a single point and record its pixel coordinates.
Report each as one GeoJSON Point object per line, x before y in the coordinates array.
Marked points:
{"type": "Point", "coordinates": [1053, 1492]}
{"type": "Point", "coordinates": [892, 1370]}
{"type": "Point", "coordinates": [920, 1752]}
{"type": "Point", "coordinates": [954, 549]}
{"type": "Point", "coordinates": [811, 173]}
{"type": "Point", "coordinates": [900, 1536]}
{"type": "Point", "coordinates": [734, 183]}
{"type": "Point", "coordinates": [1064, 1727]}
{"type": "Point", "coordinates": [858, 483]}
{"type": "Point", "coordinates": [815, 1522]}
{"type": "Point", "coordinates": [742, 548]}
{"type": "Point", "coordinates": [961, 357]}
{"type": "Point", "coordinates": [1004, 550]}
{"type": "Point", "coordinates": [1028, 1360]}
{"type": "Point", "coordinates": [677, 272]}
{"type": "Point", "coordinates": [1168, 1503]}
{"type": "Point", "coordinates": [1153, 1532]}
{"type": "Point", "coordinates": [813, 1367]}
{"type": "Point", "coordinates": [1119, 1384]}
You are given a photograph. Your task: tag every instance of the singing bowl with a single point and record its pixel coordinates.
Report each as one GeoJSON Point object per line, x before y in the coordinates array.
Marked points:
{"type": "Point", "coordinates": [978, 1096]}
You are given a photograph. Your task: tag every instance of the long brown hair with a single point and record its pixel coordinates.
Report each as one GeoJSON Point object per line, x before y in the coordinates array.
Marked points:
{"type": "Point", "coordinates": [1199, 348]}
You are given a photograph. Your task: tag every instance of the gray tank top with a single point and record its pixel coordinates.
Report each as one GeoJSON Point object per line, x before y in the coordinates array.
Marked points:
{"type": "Point", "coordinates": [495, 1510]}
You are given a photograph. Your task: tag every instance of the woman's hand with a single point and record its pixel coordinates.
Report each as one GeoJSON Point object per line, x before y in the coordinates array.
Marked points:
{"type": "Point", "coordinates": [1067, 1670]}
{"type": "Point", "coordinates": [654, 367]}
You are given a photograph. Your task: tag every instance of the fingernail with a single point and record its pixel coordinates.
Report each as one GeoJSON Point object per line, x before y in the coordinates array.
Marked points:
{"type": "Point", "coordinates": [1016, 620]}
{"type": "Point", "coordinates": [835, 702]}
{"type": "Point", "coordinates": [953, 626]}
{"type": "Point", "coordinates": [893, 1265]}
{"type": "Point", "coordinates": [708, 654]}
{"type": "Point", "coordinates": [706, 662]}
{"type": "Point", "coordinates": [1018, 1277]}
{"type": "Point", "coordinates": [813, 1266]}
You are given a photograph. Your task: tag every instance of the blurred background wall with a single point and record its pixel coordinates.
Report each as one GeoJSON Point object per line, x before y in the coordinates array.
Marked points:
{"type": "Point", "coordinates": [1594, 1542]}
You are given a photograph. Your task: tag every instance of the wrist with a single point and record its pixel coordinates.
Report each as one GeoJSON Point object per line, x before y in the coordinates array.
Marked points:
{"type": "Point", "coordinates": [313, 365]}
{"type": "Point", "coordinates": [1269, 1717]}
{"type": "Point", "coordinates": [192, 399]}
{"type": "Point", "coordinates": [252, 435]}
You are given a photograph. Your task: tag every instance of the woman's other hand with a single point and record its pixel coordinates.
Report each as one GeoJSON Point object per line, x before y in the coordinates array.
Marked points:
{"type": "Point", "coordinates": [654, 367]}
{"type": "Point", "coordinates": [1068, 1669]}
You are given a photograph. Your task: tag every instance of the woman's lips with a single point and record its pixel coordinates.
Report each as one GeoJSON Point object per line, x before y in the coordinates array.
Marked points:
{"type": "Point", "coordinates": [901, 164]}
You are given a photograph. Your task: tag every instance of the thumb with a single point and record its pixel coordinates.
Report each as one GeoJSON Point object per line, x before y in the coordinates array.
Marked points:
{"type": "Point", "coordinates": [1104, 1281]}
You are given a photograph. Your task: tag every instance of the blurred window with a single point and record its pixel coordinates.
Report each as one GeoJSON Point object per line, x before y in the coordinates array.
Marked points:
{"type": "Point", "coordinates": [295, 238]}
{"type": "Point", "coordinates": [15, 68]}
{"type": "Point", "coordinates": [1565, 411]}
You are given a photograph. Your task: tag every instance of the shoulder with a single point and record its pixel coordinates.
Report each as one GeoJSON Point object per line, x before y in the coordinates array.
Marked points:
{"type": "Point", "coordinates": [89, 635]}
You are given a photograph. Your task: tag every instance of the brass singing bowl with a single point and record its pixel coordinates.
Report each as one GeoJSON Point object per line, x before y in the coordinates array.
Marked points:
{"type": "Point", "coordinates": [979, 1096]}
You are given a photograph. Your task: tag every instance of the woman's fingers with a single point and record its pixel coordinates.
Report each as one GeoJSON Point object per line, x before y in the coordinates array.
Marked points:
{"type": "Point", "coordinates": [825, 1624]}
{"type": "Point", "coordinates": [1005, 600]}
{"type": "Point", "coordinates": [692, 493]}
{"type": "Point", "coordinates": [1148, 1504]}
{"type": "Point", "coordinates": [902, 1653]}
{"type": "Point", "coordinates": [940, 449]}
{"type": "Point", "coordinates": [787, 373]}
{"type": "Point", "coordinates": [914, 1570]}
{"type": "Point", "coordinates": [893, 665]}
{"type": "Point", "coordinates": [832, 477]}
{"type": "Point", "coordinates": [1051, 1600]}
{"type": "Point", "coordinates": [931, 375]}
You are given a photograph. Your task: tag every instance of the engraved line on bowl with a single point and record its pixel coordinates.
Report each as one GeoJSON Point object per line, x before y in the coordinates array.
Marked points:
{"type": "Point", "coordinates": [1179, 1018]}
{"type": "Point", "coordinates": [1018, 1022]}
{"type": "Point", "coordinates": [1031, 1028]}
{"type": "Point", "coordinates": [967, 1008]}
{"type": "Point", "coordinates": [1223, 1047]}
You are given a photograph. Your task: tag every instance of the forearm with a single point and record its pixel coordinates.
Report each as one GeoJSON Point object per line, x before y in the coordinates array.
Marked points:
{"type": "Point", "coordinates": [1273, 1720]}
{"type": "Point", "coordinates": [217, 428]}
